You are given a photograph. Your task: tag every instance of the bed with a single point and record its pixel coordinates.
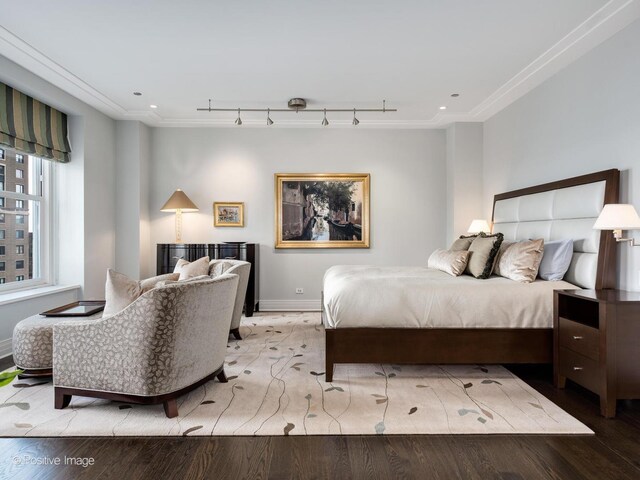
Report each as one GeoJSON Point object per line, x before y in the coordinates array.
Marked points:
{"type": "Point", "coordinates": [416, 315]}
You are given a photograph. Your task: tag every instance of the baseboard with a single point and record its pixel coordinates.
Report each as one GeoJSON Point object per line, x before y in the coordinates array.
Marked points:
{"type": "Point", "coordinates": [289, 305]}
{"type": "Point", "coordinates": [5, 348]}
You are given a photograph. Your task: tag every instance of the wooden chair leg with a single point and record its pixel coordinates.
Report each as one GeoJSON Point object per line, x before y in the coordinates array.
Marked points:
{"type": "Point", "coordinates": [171, 408]}
{"type": "Point", "coordinates": [61, 400]}
{"type": "Point", "coordinates": [236, 333]}
{"type": "Point", "coordinates": [222, 377]}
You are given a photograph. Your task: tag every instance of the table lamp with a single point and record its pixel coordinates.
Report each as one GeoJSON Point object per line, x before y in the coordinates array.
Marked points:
{"type": "Point", "coordinates": [178, 203]}
{"type": "Point", "coordinates": [479, 225]}
{"type": "Point", "coordinates": [619, 217]}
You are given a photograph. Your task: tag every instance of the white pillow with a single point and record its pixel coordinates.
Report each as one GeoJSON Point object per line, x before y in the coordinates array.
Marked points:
{"type": "Point", "coordinates": [451, 262]}
{"type": "Point", "coordinates": [120, 291]}
{"type": "Point", "coordinates": [192, 269]}
{"type": "Point", "coordinates": [556, 259]}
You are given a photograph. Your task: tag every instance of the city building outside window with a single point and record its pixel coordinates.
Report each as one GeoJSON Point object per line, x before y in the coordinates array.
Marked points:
{"type": "Point", "coordinates": [26, 207]}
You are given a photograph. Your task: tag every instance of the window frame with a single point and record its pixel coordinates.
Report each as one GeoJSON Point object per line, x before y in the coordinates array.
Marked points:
{"type": "Point", "coordinates": [47, 227]}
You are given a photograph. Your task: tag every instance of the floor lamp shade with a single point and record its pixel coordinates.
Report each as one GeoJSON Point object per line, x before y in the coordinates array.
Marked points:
{"type": "Point", "coordinates": [178, 203]}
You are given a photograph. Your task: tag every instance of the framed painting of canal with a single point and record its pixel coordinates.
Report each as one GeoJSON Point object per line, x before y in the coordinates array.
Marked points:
{"type": "Point", "coordinates": [230, 214]}
{"type": "Point", "coordinates": [322, 210]}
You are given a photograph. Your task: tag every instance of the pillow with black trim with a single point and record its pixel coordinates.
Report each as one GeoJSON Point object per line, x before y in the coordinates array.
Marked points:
{"type": "Point", "coordinates": [462, 243]}
{"type": "Point", "coordinates": [483, 251]}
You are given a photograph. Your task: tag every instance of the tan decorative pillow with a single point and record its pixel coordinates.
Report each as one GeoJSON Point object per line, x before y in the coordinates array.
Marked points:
{"type": "Point", "coordinates": [120, 291]}
{"type": "Point", "coordinates": [483, 249]}
{"type": "Point", "coordinates": [450, 262]}
{"type": "Point", "coordinates": [462, 243]}
{"type": "Point", "coordinates": [152, 282]}
{"type": "Point", "coordinates": [192, 269]}
{"type": "Point", "coordinates": [520, 261]}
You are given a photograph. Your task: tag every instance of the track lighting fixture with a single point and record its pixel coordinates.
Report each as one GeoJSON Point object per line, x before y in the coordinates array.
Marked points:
{"type": "Point", "coordinates": [325, 122]}
{"type": "Point", "coordinates": [355, 120]}
{"type": "Point", "coordinates": [299, 105]}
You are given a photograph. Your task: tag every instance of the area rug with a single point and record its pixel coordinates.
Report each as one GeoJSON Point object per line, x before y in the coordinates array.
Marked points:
{"type": "Point", "coordinates": [276, 387]}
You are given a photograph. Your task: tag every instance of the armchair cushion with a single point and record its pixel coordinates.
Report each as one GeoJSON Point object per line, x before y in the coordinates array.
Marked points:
{"type": "Point", "coordinates": [192, 269]}
{"type": "Point", "coordinates": [120, 290]}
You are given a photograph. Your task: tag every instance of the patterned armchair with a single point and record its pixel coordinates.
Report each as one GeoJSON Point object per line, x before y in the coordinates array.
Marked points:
{"type": "Point", "coordinates": [167, 342]}
{"type": "Point", "coordinates": [242, 269]}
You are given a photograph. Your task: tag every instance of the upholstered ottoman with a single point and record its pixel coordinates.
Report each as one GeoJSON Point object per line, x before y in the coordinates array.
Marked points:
{"type": "Point", "coordinates": [33, 343]}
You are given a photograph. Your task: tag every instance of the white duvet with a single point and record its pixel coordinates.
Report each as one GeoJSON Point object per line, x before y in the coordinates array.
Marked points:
{"type": "Point", "coordinates": [357, 296]}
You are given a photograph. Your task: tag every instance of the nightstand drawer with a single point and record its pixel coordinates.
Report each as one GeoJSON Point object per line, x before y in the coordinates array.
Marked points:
{"type": "Point", "coordinates": [580, 338]}
{"type": "Point", "coordinates": [580, 369]}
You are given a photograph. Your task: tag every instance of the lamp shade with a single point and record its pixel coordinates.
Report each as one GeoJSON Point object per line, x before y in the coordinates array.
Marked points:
{"type": "Point", "coordinates": [479, 225]}
{"type": "Point", "coordinates": [618, 216]}
{"type": "Point", "coordinates": [179, 201]}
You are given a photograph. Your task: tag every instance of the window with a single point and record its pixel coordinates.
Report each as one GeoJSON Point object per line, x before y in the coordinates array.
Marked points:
{"type": "Point", "coordinates": [2, 218]}
{"type": "Point", "coordinates": [2, 280]}
{"type": "Point", "coordinates": [2, 266]}
{"type": "Point", "coordinates": [26, 230]}
{"type": "Point", "coordinates": [1, 177]}
{"type": "Point", "coordinates": [2, 250]}
{"type": "Point", "coordinates": [1, 154]}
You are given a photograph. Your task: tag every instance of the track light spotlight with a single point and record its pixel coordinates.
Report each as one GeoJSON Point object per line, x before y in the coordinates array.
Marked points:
{"type": "Point", "coordinates": [238, 120]}
{"type": "Point", "coordinates": [269, 121]}
{"type": "Point", "coordinates": [355, 120]}
{"type": "Point", "coordinates": [325, 122]}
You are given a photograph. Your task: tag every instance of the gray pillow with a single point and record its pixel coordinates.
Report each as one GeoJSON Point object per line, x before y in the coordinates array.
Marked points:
{"type": "Point", "coordinates": [484, 249]}
{"type": "Point", "coordinates": [556, 259]}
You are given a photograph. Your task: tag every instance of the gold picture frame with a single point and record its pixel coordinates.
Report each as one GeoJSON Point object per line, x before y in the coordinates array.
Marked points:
{"type": "Point", "coordinates": [228, 214]}
{"type": "Point", "coordinates": [322, 210]}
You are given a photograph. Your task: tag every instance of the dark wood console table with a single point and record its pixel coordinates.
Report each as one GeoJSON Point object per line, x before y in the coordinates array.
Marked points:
{"type": "Point", "coordinates": [170, 253]}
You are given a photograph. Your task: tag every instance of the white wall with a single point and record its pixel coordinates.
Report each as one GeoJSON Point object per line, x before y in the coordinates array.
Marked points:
{"type": "Point", "coordinates": [132, 255]}
{"type": "Point", "coordinates": [407, 194]}
{"type": "Point", "coordinates": [464, 177]}
{"type": "Point", "coordinates": [584, 119]}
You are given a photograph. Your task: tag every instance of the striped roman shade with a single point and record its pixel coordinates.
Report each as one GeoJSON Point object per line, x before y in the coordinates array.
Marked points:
{"type": "Point", "coordinates": [32, 127]}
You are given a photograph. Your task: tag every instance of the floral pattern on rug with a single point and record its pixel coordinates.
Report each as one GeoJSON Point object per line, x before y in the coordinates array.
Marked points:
{"type": "Point", "coordinates": [276, 387]}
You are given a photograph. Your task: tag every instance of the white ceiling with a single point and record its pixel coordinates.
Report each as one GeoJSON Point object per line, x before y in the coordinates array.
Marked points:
{"type": "Point", "coordinates": [334, 53]}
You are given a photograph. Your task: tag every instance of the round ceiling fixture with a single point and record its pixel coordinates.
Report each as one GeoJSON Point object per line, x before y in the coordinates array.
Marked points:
{"type": "Point", "coordinates": [137, 94]}
{"type": "Point", "coordinates": [297, 104]}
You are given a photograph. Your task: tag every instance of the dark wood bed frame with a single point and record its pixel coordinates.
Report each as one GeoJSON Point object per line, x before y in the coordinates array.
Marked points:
{"type": "Point", "coordinates": [459, 345]}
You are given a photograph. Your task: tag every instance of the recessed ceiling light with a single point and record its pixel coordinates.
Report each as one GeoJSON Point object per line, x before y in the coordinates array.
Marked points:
{"type": "Point", "coordinates": [153, 106]}
{"type": "Point", "coordinates": [454, 95]}
{"type": "Point", "coordinates": [137, 94]}
{"type": "Point", "coordinates": [443, 108]}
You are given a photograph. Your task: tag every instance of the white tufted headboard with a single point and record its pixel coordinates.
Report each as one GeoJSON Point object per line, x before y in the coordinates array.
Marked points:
{"type": "Point", "coordinates": [565, 209]}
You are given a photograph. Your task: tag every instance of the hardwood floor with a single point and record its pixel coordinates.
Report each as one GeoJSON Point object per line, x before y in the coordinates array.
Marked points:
{"type": "Point", "coordinates": [613, 453]}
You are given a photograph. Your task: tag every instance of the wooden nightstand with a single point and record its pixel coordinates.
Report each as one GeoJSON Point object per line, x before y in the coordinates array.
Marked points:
{"type": "Point", "coordinates": [596, 343]}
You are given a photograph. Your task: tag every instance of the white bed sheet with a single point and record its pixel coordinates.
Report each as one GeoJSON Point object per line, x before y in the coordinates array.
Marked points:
{"type": "Point", "coordinates": [360, 296]}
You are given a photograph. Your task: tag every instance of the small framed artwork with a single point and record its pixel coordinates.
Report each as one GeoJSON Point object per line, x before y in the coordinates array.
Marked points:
{"type": "Point", "coordinates": [228, 214]}
{"type": "Point", "coordinates": [322, 210]}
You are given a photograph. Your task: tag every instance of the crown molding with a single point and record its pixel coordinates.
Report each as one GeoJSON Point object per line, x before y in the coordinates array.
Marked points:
{"type": "Point", "coordinates": [608, 20]}
{"type": "Point", "coordinates": [603, 24]}
{"type": "Point", "coordinates": [20, 52]}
